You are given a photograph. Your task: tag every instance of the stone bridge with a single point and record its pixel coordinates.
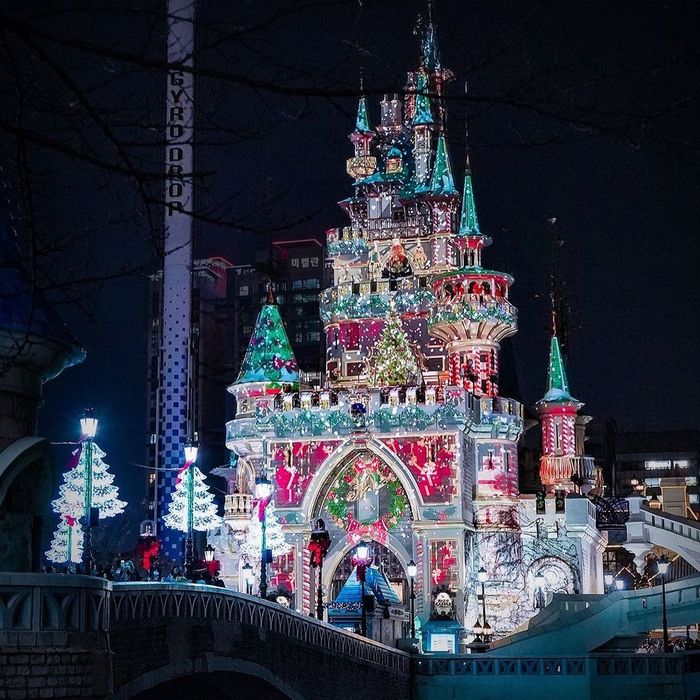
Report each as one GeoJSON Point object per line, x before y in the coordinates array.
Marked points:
{"type": "Point", "coordinates": [72, 636]}
{"type": "Point", "coordinates": [647, 527]}
{"type": "Point", "coordinates": [78, 636]}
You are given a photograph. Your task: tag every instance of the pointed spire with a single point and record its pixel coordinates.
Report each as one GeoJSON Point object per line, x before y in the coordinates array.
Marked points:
{"type": "Point", "coordinates": [269, 358]}
{"type": "Point", "coordinates": [557, 383]}
{"type": "Point", "coordinates": [430, 51]}
{"type": "Point", "coordinates": [423, 113]}
{"type": "Point", "coordinates": [442, 182]}
{"type": "Point", "coordinates": [468, 223]}
{"type": "Point", "coordinates": [362, 121]}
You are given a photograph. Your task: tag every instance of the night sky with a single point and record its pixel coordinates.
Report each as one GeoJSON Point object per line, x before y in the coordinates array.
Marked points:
{"type": "Point", "coordinates": [586, 112]}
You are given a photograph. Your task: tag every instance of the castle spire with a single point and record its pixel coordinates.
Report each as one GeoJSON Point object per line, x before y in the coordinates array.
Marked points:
{"type": "Point", "coordinates": [557, 382]}
{"type": "Point", "coordinates": [423, 115]}
{"type": "Point", "coordinates": [468, 222]}
{"type": "Point", "coordinates": [442, 182]}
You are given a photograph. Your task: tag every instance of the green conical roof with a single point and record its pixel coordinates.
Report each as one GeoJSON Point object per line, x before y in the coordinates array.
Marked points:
{"type": "Point", "coordinates": [269, 357]}
{"type": "Point", "coordinates": [362, 122]}
{"type": "Point", "coordinates": [557, 383]}
{"type": "Point", "coordinates": [442, 182]}
{"type": "Point", "coordinates": [468, 222]}
{"type": "Point", "coordinates": [423, 113]}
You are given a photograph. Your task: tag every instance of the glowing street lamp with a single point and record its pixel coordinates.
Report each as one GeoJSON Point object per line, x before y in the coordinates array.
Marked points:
{"type": "Point", "coordinates": [412, 570]}
{"type": "Point", "coordinates": [662, 562]}
{"type": "Point", "coordinates": [190, 459]}
{"type": "Point", "coordinates": [209, 552]}
{"type": "Point", "coordinates": [619, 583]}
{"type": "Point", "coordinates": [248, 577]}
{"type": "Point", "coordinates": [88, 429]}
{"type": "Point", "coordinates": [263, 492]}
{"type": "Point", "coordinates": [608, 578]}
{"type": "Point", "coordinates": [361, 560]}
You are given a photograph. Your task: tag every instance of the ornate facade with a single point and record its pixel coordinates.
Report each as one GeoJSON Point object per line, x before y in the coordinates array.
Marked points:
{"type": "Point", "coordinates": [408, 444]}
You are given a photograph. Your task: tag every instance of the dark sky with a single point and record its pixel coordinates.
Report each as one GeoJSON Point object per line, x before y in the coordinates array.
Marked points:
{"type": "Point", "coordinates": [587, 112]}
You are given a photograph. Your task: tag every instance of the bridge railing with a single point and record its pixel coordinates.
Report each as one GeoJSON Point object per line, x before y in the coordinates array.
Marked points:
{"type": "Point", "coordinates": [36, 608]}
{"type": "Point", "coordinates": [596, 664]}
{"type": "Point", "coordinates": [139, 601]}
{"type": "Point", "coordinates": [675, 524]}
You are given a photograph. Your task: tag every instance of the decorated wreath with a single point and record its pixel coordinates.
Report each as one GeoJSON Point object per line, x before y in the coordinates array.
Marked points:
{"type": "Point", "coordinates": [352, 485]}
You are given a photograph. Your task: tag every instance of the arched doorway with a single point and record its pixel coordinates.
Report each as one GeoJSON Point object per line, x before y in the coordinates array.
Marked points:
{"type": "Point", "coordinates": [214, 686]}
{"type": "Point", "coordinates": [384, 559]}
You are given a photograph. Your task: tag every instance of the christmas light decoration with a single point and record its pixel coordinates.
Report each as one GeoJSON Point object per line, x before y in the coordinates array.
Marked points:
{"type": "Point", "coordinates": [104, 494]}
{"type": "Point", "coordinates": [392, 361]}
{"type": "Point", "coordinates": [204, 511]}
{"type": "Point", "coordinates": [67, 543]}
{"type": "Point", "coordinates": [275, 538]}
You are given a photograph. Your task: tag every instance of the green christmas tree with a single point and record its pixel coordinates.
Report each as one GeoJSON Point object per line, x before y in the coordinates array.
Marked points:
{"type": "Point", "coordinates": [269, 357]}
{"type": "Point", "coordinates": [392, 361]}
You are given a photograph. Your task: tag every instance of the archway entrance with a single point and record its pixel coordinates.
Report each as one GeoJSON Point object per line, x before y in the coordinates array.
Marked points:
{"type": "Point", "coordinates": [384, 559]}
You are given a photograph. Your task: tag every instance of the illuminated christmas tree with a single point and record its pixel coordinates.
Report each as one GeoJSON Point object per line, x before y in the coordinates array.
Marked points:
{"type": "Point", "coordinates": [274, 536]}
{"type": "Point", "coordinates": [71, 500]}
{"type": "Point", "coordinates": [392, 362]}
{"type": "Point", "coordinates": [67, 543]}
{"type": "Point", "coordinates": [269, 357]}
{"type": "Point", "coordinates": [204, 511]}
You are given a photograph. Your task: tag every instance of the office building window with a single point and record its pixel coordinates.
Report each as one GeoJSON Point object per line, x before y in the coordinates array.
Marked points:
{"type": "Point", "coordinates": [297, 284]}
{"type": "Point", "coordinates": [313, 337]}
{"type": "Point", "coordinates": [312, 283]}
{"type": "Point", "coordinates": [243, 290]}
{"type": "Point", "coordinates": [298, 337]}
{"type": "Point", "coordinates": [693, 498]}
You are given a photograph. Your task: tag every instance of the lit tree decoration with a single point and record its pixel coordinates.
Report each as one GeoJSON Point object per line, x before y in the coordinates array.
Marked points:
{"type": "Point", "coordinates": [392, 361]}
{"type": "Point", "coordinates": [274, 536]}
{"type": "Point", "coordinates": [204, 511]}
{"type": "Point", "coordinates": [269, 357]}
{"type": "Point", "coordinates": [67, 542]}
{"type": "Point", "coordinates": [71, 500]}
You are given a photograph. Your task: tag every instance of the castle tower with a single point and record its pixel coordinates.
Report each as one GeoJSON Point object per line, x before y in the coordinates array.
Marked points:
{"type": "Point", "coordinates": [563, 466]}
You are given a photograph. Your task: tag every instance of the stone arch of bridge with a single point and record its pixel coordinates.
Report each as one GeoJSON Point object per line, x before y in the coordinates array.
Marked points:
{"type": "Point", "coordinates": [313, 499]}
{"type": "Point", "coordinates": [148, 685]}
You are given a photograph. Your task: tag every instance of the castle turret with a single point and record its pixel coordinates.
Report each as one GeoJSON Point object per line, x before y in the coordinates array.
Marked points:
{"type": "Point", "coordinates": [363, 163]}
{"type": "Point", "coordinates": [563, 467]}
{"type": "Point", "coordinates": [472, 314]}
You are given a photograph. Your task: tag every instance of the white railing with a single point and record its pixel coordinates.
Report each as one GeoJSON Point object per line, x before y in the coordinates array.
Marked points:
{"type": "Point", "coordinates": [556, 470]}
{"type": "Point", "coordinates": [238, 504]}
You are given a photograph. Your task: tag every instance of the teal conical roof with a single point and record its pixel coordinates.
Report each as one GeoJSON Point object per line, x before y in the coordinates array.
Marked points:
{"type": "Point", "coordinates": [349, 599]}
{"type": "Point", "coordinates": [468, 222]}
{"type": "Point", "coordinates": [557, 383]}
{"type": "Point", "coordinates": [442, 182]}
{"type": "Point", "coordinates": [431, 53]}
{"type": "Point", "coordinates": [362, 122]}
{"type": "Point", "coordinates": [269, 357]}
{"type": "Point", "coordinates": [423, 114]}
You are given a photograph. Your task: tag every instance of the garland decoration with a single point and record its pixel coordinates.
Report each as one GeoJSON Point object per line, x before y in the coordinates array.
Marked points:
{"type": "Point", "coordinates": [352, 485]}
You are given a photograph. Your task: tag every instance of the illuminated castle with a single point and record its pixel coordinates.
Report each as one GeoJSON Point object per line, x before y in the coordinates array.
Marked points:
{"type": "Point", "coordinates": [409, 444]}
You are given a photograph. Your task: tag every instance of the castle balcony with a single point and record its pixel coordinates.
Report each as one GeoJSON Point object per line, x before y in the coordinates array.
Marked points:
{"type": "Point", "coordinates": [499, 417]}
{"type": "Point", "coordinates": [329, 413]}
{"type": "Point", "coordinates": [346, 243]}
{"type": "Point", "coordinates": [238, 506]}
{"type": "Point", "coordinates": [555, 471]}
{"type": "Point", "coordinates": [580, 513]}
{"type": "Point", "coordinates": [473, 317]}
{"type": "Point", "coordinates": [373, 299]}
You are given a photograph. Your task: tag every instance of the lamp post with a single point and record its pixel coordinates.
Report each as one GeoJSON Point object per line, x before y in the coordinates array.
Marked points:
{"type": "Point", "coordinates": [412, 570]}
{"type": "Point", "coordinates": [361, 561]}
{"type": "Point", "coordinates": [248, 577]}
{"type": "Point", "coordinates": [88, 428]}
{"type": "Point", "coordinates": [482, 632]}
{"type": "Point", "coordinates": [209, 552]}
{"type": "Point", "coordinates": [663, 562]}
{"type": "Point", "coordinates": [190, 459]}
{"type": "Point", "coordinates": [539, 591]}
{"type": "Point", "coordinates": [320, 542]}
{"type": "Point", "coordinates": [263, 491]}
{"type": "Point", "coordinates": [619, 583]}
